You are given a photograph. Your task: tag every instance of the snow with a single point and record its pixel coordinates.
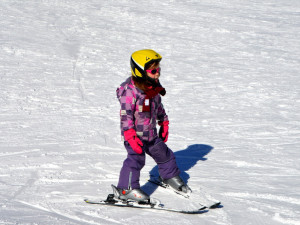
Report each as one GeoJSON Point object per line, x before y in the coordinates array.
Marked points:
{"type": "Point", "coordinates": [231, 71]}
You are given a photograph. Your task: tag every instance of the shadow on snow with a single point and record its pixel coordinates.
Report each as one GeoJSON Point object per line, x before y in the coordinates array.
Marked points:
{"type": "Point", "coordinates": [185, 159]}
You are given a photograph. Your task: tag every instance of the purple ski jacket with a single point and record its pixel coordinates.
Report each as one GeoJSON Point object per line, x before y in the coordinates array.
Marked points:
{"type": "Point", "coordinates": [132, 115]}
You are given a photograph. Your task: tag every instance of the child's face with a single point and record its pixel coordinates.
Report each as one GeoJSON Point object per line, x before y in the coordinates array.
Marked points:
{"type": "Point", "coordinates": [157, 72]}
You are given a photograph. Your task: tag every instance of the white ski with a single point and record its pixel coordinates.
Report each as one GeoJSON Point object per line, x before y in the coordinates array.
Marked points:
{"type": "Point", "coordinates": [152, 204]}
{"type": "Point", "coordinates": [211, 204]}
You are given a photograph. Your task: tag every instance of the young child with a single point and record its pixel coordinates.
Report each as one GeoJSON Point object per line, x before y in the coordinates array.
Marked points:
{"type": "Point", "coordinates": [141, 108]}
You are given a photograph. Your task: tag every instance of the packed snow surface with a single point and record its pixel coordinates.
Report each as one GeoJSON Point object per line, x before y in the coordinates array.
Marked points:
{"type": "Point", "coordinates": [231, 71]}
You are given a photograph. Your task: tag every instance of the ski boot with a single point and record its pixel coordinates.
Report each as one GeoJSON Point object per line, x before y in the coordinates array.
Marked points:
{"type": "Point", "coordinates": [137, 195]}
{"type": "Point", "coordinates": [178, 185]}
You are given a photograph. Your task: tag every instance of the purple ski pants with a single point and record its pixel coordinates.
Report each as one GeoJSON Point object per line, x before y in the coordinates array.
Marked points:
{"type": "Point", "coordinates": [159, 151]}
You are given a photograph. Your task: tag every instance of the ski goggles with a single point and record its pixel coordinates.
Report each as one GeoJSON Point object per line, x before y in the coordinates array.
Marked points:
{"type": "Point", "coordinates": [154, 71]}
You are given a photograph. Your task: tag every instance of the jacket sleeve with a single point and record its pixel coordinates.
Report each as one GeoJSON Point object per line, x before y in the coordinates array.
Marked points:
{"type": "Point", "coordinates": [161, 113]}
{"type": "Point", "coordinates": [127, 99]}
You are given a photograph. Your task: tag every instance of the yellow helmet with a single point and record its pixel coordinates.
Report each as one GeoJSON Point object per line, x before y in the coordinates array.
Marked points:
{"type": "Point", "coordinates": [141, 59]}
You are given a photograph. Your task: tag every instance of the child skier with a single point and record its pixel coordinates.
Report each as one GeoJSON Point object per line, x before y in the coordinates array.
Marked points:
{"type": "Point", "coordinates": [141, 108]}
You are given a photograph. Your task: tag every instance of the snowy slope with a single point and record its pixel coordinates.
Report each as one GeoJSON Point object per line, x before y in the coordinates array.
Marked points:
{"type": "Point", "coordinates": [231, 70]}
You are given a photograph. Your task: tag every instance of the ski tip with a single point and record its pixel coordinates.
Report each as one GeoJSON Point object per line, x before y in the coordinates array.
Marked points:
{"type": "Point", "coordinates": [216, 205]}
{"type": "Point", "coordinates": [202, 208]}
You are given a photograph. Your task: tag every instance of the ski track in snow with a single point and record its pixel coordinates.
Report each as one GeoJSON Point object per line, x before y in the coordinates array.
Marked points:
{"type": "Point", "coordinates": [231, 71]}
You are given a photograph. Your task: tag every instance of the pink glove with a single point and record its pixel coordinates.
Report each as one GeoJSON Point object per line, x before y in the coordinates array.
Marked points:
{"type": "Point", "coordinates": [164, 130]}
{"type": "Point", "coordinates": [133, 140]}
